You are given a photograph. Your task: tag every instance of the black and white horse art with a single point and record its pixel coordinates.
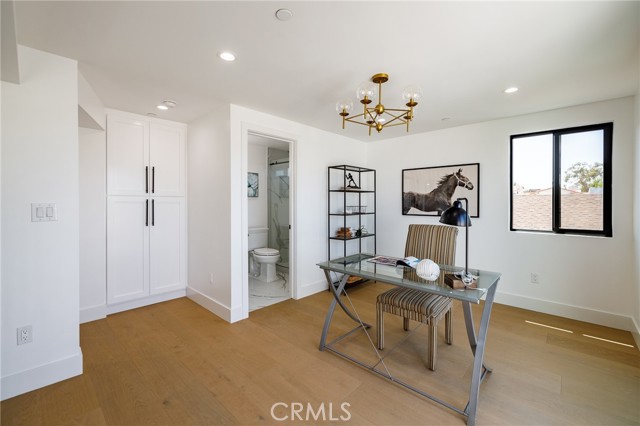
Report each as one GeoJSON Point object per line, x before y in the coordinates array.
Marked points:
{"type": "Point", "coordinates": [440, 198]}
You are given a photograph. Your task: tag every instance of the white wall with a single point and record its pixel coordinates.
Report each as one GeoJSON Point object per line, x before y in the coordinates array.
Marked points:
{"type": "Point", "coordinates": [313, 150]}
{"type": "Point", "coordinates": [636, 216]}
{"type": "Point", "coordinates": [40, 260]}
{"type": "Point", "coordinates": [258, 206]}
{"type": "Point", "coordinates": [209, 215]}
{"type": "Point", "coordinates": [93, 209]}
{"type": "Point", "coordinates": [580, 277]}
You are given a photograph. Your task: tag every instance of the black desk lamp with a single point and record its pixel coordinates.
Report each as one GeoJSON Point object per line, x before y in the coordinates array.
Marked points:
{"type": "Point", "coordinates": [457, 216]}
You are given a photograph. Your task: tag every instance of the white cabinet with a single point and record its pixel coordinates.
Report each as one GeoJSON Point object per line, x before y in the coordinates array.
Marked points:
{"type": "Point", "coordinates": [127, 248]}
{"type": "Point", "coordinates": [145, 156]}
{"type": "Point", "coordinates": [167, 248]}
{"type": "Point", "coordinates": [146, 208]}
{"type": "Point", "coordinates": [167, 160]}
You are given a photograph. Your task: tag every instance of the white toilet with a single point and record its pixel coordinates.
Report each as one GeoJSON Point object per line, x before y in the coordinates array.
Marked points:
{"type": "Point", "coordinates": [262, 260]}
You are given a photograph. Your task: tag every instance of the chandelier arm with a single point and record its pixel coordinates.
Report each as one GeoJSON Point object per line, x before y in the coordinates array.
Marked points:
{"type": "Point", "coordinates": [395, 117]}
{"type": "Point", "coordinates": [358, 122]}
{"type": "Point", "coordinates": [397, 109]}
{"type": "Point", "coordinates": [400, 123]}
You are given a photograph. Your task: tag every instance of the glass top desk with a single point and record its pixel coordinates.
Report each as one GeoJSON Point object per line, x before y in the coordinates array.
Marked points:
{"type": "Point", "coordinates": [360, 266]}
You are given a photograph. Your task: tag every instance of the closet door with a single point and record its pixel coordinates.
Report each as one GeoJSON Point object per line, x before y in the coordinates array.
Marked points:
{"type": "Point", "coordinates": [167, 244]}
{"type": "Point", "coordinates": [127, 248]}
{"type": "Point", "coordinates": [127, 155]}
{"type": "Point", "coordinates": [167, 159]}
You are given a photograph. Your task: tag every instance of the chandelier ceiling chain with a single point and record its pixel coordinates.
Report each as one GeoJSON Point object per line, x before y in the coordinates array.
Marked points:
{"type": "Point", "coordinates": [379, 117]}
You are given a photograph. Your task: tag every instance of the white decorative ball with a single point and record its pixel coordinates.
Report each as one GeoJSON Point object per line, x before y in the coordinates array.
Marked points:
{"type": "Point", "coordinates": [428, 269]}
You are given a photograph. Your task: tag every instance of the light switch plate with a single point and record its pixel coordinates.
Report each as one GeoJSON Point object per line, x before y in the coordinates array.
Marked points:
{"type": "Point", "coordinates": [43, 212]}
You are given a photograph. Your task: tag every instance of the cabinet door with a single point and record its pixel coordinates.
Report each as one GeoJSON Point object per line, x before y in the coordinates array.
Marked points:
{"type": "Point", "coordinates": [127, 155]}
{"type": "Point", "coordinates": [127, 249]}
{"type": "Point", "coordinates": [167, 244]}
{"type": "Point", "coordinates": [167, 150]}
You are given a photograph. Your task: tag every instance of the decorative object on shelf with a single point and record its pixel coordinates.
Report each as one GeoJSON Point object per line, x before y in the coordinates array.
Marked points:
{"type": "Point", "coordinates": [252, 184]}
{"type": "Point", "coordinates": [457, 216]}
{"type": "Point", "coordinates": [361, 231]}
{"type": "Point", "coordinates": [344, 233]}
{"type": "Point", "coordinates": [379, 116]}
{"type": "Point", "coordinates": [428, 269]}
{"type": "Point", "coordinates": [352, 183]}
{"type": "Point", "coordinates": [428, 191]}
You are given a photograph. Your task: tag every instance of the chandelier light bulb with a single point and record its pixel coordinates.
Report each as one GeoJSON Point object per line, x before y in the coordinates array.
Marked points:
{"type": "Point", "coordinates": [366, 89]}
{"type": "Point", "coordinates": [344, 106]}
{"type": "Point", "coordinates": [412, 93]}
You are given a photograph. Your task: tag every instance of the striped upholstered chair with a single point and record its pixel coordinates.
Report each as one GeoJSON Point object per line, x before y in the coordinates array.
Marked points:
{"type": "Point", "coordinates": [438, 243]}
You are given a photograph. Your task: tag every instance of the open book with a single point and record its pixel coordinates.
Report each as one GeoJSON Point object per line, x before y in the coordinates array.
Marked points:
{"type": "Point", "coordinates": [409, 261]}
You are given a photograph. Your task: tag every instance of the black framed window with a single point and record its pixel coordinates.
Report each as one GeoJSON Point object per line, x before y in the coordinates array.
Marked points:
{"type": "Point", "coordinates": [561, 181]}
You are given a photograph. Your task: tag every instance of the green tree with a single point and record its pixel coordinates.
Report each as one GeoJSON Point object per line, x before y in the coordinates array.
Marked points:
{"type": "Point", "coordinates": [584, 176]}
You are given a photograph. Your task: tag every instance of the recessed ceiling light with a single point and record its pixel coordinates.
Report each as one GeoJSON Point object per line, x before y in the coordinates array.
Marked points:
{"type": "Point", "coordinates": [511, 90]}
{"type": "Point", "coordinates": [165, 105]}
{"type": "Point", "coordinates": [227, 56]}
{"type": "Point", "coordinates": [284, 14]}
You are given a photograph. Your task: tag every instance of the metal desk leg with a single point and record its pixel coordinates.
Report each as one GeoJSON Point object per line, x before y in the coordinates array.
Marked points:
{"type": "Point", "coordinates": [477, 347]}
{"type": "Point", "coordinates": [336, 301]}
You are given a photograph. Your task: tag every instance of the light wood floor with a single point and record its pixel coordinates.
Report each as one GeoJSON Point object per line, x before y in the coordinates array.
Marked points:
{"type": "Point", "coordinates": [175, 363]}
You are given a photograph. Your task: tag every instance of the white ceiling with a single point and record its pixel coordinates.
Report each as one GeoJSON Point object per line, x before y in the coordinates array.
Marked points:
{"type": "Point", "coordinates": [463, 54]}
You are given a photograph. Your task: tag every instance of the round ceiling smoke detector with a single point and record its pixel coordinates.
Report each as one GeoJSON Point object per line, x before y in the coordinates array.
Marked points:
{"type": "Point", "coordinates": [284, 14]}
{"type": "Point", "coordinates": [165, 105]}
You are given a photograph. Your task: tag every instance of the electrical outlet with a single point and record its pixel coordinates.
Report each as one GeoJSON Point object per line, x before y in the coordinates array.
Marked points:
{"type": "Point", "coordinates": [535, 279]}
{"type": "Point", "coordinates": [25, 335]}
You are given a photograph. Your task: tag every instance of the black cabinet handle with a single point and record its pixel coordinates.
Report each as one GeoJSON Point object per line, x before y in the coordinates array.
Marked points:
{"type": "Point", "coordinates": [153, 180]}
{"type": "Point", "coordinates": [146, 213]}
{"type": "Point", "coordinates": [153, 212]}
{"type": "Point", "coordinates": [146, 179]}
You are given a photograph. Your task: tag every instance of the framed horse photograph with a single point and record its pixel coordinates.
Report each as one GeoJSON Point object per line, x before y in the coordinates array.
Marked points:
{"type": "Point", "coordinates": [428, 191]}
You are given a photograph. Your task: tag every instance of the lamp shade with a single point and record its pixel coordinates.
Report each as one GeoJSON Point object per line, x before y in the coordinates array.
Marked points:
{"type": "Point", "coordinates": [455, 215]}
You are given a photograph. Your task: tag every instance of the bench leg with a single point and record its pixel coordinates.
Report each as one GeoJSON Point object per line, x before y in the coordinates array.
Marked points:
{"type": "Point", "coordinates": [433, 346]}
{"type": "Point", "coordinates": [448, 327]}
{"type": "Point", "coordinates": [405, 323]}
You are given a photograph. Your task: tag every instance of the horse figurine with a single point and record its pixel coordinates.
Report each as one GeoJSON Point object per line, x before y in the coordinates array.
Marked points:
{"type": "Point", "coordinates": [440, 198]}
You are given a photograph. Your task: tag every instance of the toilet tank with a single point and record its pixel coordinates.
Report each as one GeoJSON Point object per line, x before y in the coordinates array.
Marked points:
{"type": "Point", "coordinates": [258, 238]}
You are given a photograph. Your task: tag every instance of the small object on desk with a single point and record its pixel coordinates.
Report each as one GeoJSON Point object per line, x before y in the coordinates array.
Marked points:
{"type": "Point", "coordinates": [456, 282]}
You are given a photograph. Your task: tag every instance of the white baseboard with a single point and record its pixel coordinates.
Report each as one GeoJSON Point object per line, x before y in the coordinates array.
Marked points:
{"type": "Point", "coordinates": [223, 311]}
{"type": "Point", "coordinates": [93, 313]}
{"type": "Point", "coordinates": [607, 319]}
{"type": "Point", "coordinates": [636, 333]}
{"type": "Point", "coordinates": [310, 289]}
{"type": "Point", "coordinates": [145, 301]}
{"type": "Point", "coordinates": [41, 376]}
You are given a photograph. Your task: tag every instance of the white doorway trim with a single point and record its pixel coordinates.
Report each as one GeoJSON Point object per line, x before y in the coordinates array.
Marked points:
{"type": "Point", "coordinates": [254, 129]}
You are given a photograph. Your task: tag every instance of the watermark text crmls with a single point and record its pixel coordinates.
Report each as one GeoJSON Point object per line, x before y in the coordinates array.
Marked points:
{"type": "Point", "coordinates": [298, 411]}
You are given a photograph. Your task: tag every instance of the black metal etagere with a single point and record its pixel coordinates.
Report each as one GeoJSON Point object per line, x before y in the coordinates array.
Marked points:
{"type": "Point", "coordinates": [351, 207]}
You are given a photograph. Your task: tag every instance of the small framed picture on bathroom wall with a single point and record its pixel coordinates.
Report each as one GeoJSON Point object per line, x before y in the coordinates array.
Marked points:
{"type": "Point", "coordinates": [252, 184]}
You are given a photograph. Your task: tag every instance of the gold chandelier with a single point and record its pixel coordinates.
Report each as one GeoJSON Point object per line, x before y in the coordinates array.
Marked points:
{"type": "Point", "coordinates": [379, 116]}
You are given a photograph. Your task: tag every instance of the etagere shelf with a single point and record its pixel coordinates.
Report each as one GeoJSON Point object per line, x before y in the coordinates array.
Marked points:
{"type": "Point", "coordinates": [351, 203]}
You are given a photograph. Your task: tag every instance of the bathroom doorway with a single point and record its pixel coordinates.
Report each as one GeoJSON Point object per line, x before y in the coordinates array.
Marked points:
{"type": "Point", "coordinates": [268, 220]}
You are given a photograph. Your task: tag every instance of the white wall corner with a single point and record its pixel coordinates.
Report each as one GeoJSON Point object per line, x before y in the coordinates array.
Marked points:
{"type": "Point", "coordinates": [310, 289]}
{"type": "Point", "coordinates": [42, 375]}
{"type": "Point", "coordinates": [10, 71]}
{"type": "Point", "coordinates": [219, 309]}
{"type": "Point", "coordinates": [91, 112]}
{"type": "Point", "coordinates": [93, 313]}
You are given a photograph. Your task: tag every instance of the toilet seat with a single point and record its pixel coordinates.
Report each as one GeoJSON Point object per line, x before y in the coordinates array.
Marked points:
{"type": "Point", "coordinates": [266, 252]}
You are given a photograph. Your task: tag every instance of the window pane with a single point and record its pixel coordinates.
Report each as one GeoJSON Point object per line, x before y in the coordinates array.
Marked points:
{"type": "Point", "coordinates": [581, 179]}
{"type": "Point", "coordinates": [532, 178]}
